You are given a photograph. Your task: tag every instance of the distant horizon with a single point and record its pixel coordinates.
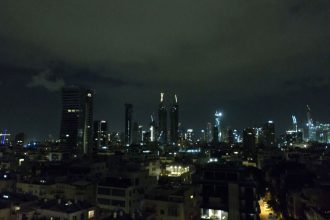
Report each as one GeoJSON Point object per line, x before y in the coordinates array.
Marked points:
{"type": "Point", "coordinates": [280, 129]}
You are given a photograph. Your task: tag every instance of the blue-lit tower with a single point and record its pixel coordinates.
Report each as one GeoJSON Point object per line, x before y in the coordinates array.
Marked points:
{"type": "Point", "coordinates": [218, 116]}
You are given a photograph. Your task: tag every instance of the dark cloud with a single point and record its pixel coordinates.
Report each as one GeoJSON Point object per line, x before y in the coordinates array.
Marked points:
{"type": "Point", "coordinates": [46, 80]}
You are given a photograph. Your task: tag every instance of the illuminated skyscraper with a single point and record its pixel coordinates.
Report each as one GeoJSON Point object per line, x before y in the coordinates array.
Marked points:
{"type": "Point", "coordinates": [152, 129]}
{"type": "Point", "coordinates": [162, 117]}
{"type": "Point", "coordinates": [77, 119]}
{"type": "Point", "coordinates": [218, 116]}
{"type": "Point", "coordinates": [174, 117]}
{"type": "Point", "coordinates": [128, 124]}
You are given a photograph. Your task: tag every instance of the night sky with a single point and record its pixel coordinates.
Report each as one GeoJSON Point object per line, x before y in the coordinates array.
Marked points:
{"type": "Point", "coordinates": [254, 59]}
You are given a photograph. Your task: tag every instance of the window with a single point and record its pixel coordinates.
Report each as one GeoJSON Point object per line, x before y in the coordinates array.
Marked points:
{"type": "Point", "coordinates": [82, 216]}
{"type": "Point", "coordinates": [91, 214]}
{"type": "Point", "coordinates": [162, 212]}
{"type": "Point", "coordinates": [103, 191]}
{"type": "Point", "coordinates": [173, 211]}
{"type": "Point", "coordinates": [232, 176]}
{"type": "Point", "coordinates": [103, 201]}
{"type": "Point", "coordinates": [118, 192]}
{"type": "Point", "coordinates": [119, 203]}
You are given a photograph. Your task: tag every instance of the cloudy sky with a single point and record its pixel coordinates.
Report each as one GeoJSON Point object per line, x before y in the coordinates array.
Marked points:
{"type": "Point", "coordinates": [255, 60]}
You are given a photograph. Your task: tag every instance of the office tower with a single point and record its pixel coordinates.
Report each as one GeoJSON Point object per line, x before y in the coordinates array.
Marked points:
{"type": "Point", "coordinates": [249, 140]}
{"type": "Point", "coordinates": [77, 119]}
{"type": "Point", "coordinates": [100, 135]}
{"type": "Point", "coordinates": [135, 133]}
{"type": "Point", "coordinates": [218, 116]}
{"type": "Point", "coordinates": [128, 124]}
{"type": "Point", "coordinates": [209, 132]}
{"type": "Point", "coordinates": [174, 117]}
{"type": "Point", "coordinates": [162, 117]}
{"type": "Point", "coordinates": [269, 134]}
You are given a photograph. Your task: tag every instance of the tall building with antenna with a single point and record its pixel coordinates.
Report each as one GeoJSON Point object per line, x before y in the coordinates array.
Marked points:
{"type": "Point", "coordinates": [174, 119]}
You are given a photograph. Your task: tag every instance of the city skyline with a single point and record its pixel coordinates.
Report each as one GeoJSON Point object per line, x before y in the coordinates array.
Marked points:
{"type": "Point", "coordinates": [255, 61]}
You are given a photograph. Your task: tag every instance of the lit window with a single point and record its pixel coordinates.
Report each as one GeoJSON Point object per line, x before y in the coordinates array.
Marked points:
{"type": "Point", "coordinates": [91, 214]}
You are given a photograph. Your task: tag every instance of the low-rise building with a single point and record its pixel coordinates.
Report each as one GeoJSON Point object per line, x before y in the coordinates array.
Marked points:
{"type": "Point", "coordinates": [124, 191]}
{"type": "Point", "coordinates": [168, 203]}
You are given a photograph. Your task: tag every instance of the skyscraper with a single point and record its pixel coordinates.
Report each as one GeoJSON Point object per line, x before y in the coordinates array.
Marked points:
{"type": "Point", "coordinates": [100, 135]}
{"type": "Point", "coordinates": [77, 119]}
{"type": "Point", "coordinates": [128, 123]}
{"type": "Point", "coordinates": [269, 134]}
{"type": "Point", "coordinates": [209, 132]}
{"type": "Point", "coordinates": [135, 134]}
{"type": "Point", "coordinates": [152, 129]}
{"type": "Point", "coordinates": [249, 140]}
{"type": "Point", "coordinates": [174, 118]}
{"type": "Point", "coordinates": [162, 117]}
{"type": "Point", "coordinates": [218, 116]}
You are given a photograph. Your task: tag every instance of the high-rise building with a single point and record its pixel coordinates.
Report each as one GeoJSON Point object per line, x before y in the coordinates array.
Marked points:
{"type": "Point", "coordinates": [209, 132]}
{"type": "Point", "coordinates": [218, 124]}
{"type": "Point", "coordinates": [162, 117]}
{"type": "Point", "coordinates": [152, 129]}
{"type": "Point", "coordinates": [128, 124]}
{"type": "Point", "coordinates": [230, 136]}
{"type": "Point", "coordinates": [269, 134]}
{"type": "Point", "coordinates": [174, 117]}
{"type": "Point", "coordinates": [215, 135]}
{"type": "Point", "coordinates": [249, 140]}
{"type": "Point", "coordinates": [100, 135]}
{"type": "Point", "coordinates": [77, 119]}
{"type": "Point", "coordinates": [135, 133]}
